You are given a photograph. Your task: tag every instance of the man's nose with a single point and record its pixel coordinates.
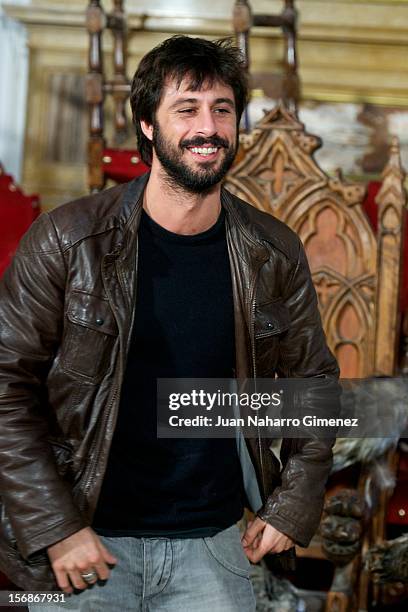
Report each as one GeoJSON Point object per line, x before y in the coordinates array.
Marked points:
{"type": "Point", "coordinates": [206, 122]}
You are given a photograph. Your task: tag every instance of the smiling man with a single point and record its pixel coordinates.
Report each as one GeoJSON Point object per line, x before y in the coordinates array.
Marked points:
{"type": "Point", "coordinates": [169, 276]}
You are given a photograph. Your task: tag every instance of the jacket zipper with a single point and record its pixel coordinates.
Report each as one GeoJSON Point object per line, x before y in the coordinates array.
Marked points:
{"type": "Point", "coordinates": [95, 461]}
{"type": "Point", "coordinates": [252, 294]}
{"type": "Point", "coordinates": [252, 302]}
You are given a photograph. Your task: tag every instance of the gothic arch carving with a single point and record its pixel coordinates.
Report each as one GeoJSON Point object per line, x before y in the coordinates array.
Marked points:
{"type": "Point", "coordinates": [276, 172]}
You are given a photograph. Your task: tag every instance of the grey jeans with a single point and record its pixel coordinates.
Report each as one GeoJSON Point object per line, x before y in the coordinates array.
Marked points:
{"type": "Point", "coordinates": [170, 575]}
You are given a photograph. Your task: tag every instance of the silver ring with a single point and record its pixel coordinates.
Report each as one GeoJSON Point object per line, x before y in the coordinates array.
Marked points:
{"type": "Point", "coordinates": [90, 577]}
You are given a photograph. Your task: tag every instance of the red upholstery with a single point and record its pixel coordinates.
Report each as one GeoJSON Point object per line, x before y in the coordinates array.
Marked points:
{"type": "Point", "coordinates": [17, 212]}
{"type": "Point", "coordinates": [122, 165]}
{"type": "Point", "coordinates": [397, 512]}
{"type": "Point", "coordinates": [369, 203]}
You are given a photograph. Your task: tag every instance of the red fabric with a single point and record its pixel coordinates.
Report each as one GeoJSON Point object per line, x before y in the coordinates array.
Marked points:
{"type": "Point", "coordinates": [122, 165]}
{"type": "Point", "coordinates": [397, 511]}
{"type": "Point", "coordinates": [369, 204]}
{"type": "Point", "coordinates": [370, 208]}
{"type": "Point", "coordinates": [17, 212]}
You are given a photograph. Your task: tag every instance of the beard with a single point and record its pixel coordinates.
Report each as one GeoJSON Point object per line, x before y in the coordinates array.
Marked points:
{"type": "Point", "coordinates": [181, 175]}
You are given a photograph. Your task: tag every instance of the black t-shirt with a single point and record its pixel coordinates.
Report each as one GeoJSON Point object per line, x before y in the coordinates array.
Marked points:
{"type": "Point", "coordinates": [184, 328]}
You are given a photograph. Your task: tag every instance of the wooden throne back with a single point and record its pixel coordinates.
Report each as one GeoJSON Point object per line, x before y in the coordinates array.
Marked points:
{"type": "Point", "coordinates": [356, 271]}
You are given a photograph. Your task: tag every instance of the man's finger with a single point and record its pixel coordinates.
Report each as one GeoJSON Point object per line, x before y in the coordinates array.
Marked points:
{"type": "Point", "coordinates": [102, 570]}
{"type": "Point", "coordinates": [62, 580]}
{"type": "Point", "coordinates": [256, 554]}
{"type": "Point", "coordinates": [255, 542]}
{"type": "Point", "coordinates": [281, 547]}
{"type": "Point", "coordinates": [106, 555]}
{"type": "Point", "coordinates": [252, 531]}
{"type": "Point", "coordinates": [76, 580]}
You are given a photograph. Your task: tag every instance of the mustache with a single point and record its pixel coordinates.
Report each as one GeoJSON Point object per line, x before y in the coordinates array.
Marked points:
{"type": "Point", "coordinates": [200, 141]}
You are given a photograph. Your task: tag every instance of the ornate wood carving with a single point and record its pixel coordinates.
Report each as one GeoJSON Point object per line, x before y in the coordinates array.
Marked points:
{"type": "Point", "coordinates": [388, 561]}
{"type": "Point", "coordinates": [243, 20]}
{"type": "Point", "coordinates": [119, 86]}
{"type": "Point", "coordinates": [97, 87]}
{"type": "Point", "coordinates": [342, 526]}
{"type": "Point", "coordinates": [391, 201]}
{"type": "Point", "coordinates": [95, 23]}
{"type": "Point", "coordinates": [352, 272]}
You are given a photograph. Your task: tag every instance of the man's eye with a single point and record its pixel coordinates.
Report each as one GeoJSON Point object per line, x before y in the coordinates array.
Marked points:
{"type": "Point", "coordinates": [222, 110]}
{"type": "Point", "coordinates": [186, 110]}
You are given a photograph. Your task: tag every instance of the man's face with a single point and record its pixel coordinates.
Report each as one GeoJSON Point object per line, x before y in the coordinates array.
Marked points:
{"type": "Point", "coordinates": [195, 135]}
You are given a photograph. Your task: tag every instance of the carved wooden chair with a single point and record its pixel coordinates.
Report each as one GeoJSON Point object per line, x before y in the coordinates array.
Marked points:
{"type": "Point", "coordinates": [356, 273]}
{"type": "Point", "coordinates": [116, 163]}
{"type": "Point", "coordinates": [284, 87]}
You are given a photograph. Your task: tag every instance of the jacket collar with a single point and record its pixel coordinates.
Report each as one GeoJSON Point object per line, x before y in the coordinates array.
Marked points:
{"type": "Point", "coordinates": [132, 201]}
{"type": "Point", "coordinates": [239, 227]}
{"type": "Point", "coordinates": [237, 222]}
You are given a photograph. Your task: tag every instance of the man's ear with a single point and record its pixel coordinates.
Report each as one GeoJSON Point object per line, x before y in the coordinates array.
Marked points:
{"type": "Point", "coordinates": [147, 129]}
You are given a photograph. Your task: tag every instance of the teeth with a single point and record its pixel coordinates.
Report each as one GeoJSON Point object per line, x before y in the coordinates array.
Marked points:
{"type": "Point", "coordinates": [204, 150]}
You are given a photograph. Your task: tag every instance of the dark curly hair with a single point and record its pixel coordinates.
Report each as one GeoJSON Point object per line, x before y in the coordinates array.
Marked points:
{"type": "Point", "coordinates": [202, 61]}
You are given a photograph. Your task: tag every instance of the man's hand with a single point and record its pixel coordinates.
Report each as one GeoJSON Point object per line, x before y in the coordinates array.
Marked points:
{"type": "Point", "coordinates": [80, 553]}
{"type": "Point", "coordinates": [260, 538]}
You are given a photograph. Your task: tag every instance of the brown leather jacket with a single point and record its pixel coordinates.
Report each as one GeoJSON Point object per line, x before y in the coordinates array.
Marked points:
{"type": "Point", "coordinates": [67, 305]}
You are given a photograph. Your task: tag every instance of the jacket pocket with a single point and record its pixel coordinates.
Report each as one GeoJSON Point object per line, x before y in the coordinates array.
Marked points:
{"type": "Point", "coordinates": [63, 454]}
{"type": "Point", "coordinates": [90, 334]}
{"type": "Point", "coordinates": [271, 319]}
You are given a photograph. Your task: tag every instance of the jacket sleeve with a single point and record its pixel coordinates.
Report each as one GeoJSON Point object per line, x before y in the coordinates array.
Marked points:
{"type": "Point", "coordinates": [295, 506]}
{"type": "Point", "coordinates": [36, 500]}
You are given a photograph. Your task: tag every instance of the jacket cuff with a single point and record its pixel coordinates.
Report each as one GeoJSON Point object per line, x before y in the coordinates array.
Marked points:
{"type": "Point", "coordinates": [50, 536]}
{"type": "Point", "coordinates": [300, 534]}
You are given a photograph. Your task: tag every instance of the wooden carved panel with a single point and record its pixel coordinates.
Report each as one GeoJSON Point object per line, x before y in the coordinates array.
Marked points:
{"type": "Point", "coordinates": [342, 254]}
{"type": "Point", "coordinates": [271, 172]}
{"type": "Point", "coordinates": [277, 173]}
{"type": "Point", "coordinates": [391, 201]}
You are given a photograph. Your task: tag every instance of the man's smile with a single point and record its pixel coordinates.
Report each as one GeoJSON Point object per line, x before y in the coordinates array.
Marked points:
{"type": "Point", "coordinates": [208, 153]}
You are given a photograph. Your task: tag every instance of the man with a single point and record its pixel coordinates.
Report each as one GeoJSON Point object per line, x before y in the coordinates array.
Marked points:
{"type": "Point", "coordinates": [167, 276]}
